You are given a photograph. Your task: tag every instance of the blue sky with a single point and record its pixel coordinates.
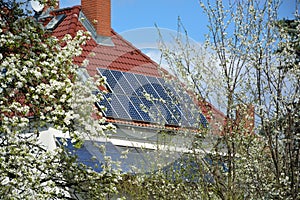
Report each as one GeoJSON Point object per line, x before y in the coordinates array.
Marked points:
{"type": "Point", "coordinates": [136, 14]}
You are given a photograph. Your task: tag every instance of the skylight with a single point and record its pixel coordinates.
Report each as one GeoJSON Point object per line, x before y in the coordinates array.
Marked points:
{"type": "Point", "coordinates": [55, 22]}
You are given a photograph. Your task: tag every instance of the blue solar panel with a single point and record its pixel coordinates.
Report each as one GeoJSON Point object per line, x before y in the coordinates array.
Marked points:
{"type": "Point", "coordinates": [137, 103]}
{"type": "Point", "coordinates": [134, 158]}
{"type": "Point", "coordinates": [187, 115]}
{"type": "Point", "coordinates": [105, 102]}
{"type": "Point", "coordinates": [161, 92]}
{"type": "Point", "coordinates": [126, 86]}
{"type": "Point", "coordinates": [140, 91]}
{"type": "Point", "coordinates": [203, 120]}
{"type": "Point", "coordinates": [112, 151]}
{"type": "Point", "coordinates": [155, 110]}
{"type": "Point", "coordinates": [129, 102]}
{"type": "Point", "coordinates": [150, 90]}
{"type": "Point", "coordinates": [118, 89]}
{"type": "Point", "coordinates": [92, 156]}
{"type": "Point", "coordinates": [175, 166]}
{"type": "Point", "coordinates": [190, 111]}
{"type": "Point", "coordinates": [111, 81]}
{"type": "Point", "coordinates": [169, 89]}
{"type": "Point", "coordinates": [133, 112]}
{"type": "Point", "coordinates": [133, 82]}
{"type": "Point", "coordinates": [149, 105]}
{"type": "Point", "coordinates": [152, 79]}
{"type": "Point", "coordinates": [117, 105]}
{"type": "Point", "coordinates": [117, 74]}
{"type": "Point", "coordinates": [159, 88]}
{"type": "Point", "coordinates": [124, 100]}
{"type": "Point", "coordinates": [168, 115]}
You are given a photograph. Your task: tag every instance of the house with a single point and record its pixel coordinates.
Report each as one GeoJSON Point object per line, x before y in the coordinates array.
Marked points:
{"type": "Point", "coordinates": [147, 109]}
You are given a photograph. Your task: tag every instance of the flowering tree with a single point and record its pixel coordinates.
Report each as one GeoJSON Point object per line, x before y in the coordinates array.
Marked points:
{"type": "Point", "coordinates": [40, 88]}
{"type": "Point", "coordinates": [248, 63]}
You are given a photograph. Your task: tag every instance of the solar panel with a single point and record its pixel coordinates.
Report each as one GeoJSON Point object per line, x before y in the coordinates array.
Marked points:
{"type": "Point", "coordinates": [148, 107]}
{"type": "Point", "coordinates": [161, 91]}
{"type": "Point", "coordinates": [191, 112]}
{"type": "Point", "coordinates": [145, 86]}
{"type": "Point", "coordinates": [138, 105]}
{"type": "Point", "coordinates": [119, 107]}
{"type": "Point", "coordinates": [134, 158]}
{"type": "Point", "coordinates": [133, 83]}
{"type": "Point", "coordinates": [163, 105]}
{"type": "Point", "coordinates": [126, 86]}
{"type": "Point", "coordinates": [105, 102]}
{"type": "Point", "coordinates": [111, 81]}
{"type": "Point", "coordinates": [203, 120]}
{"type": "Point", "coordinates": [169, 117]}
{"type": "Point", "coordinates": [116, 74]}
{"type": "Point", "coordinates": [141, 80]}
{"type": "Point", "coordinates": [134, 113]}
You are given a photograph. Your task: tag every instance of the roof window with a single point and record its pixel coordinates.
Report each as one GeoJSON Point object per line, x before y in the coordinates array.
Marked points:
{"type": "Point", "coordinates": [55, 22]}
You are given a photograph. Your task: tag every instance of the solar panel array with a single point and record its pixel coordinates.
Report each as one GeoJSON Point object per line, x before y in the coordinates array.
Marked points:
{"type": "Point", "coordinates": [149, 99]}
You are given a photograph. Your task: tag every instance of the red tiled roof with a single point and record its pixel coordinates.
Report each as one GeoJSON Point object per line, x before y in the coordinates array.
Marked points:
{"type": "Point", "coordinates": [123, 56]}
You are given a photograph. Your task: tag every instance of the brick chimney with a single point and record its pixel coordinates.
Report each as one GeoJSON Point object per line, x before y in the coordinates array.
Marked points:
{"type": "Point", "coordinates": [98, 12]}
